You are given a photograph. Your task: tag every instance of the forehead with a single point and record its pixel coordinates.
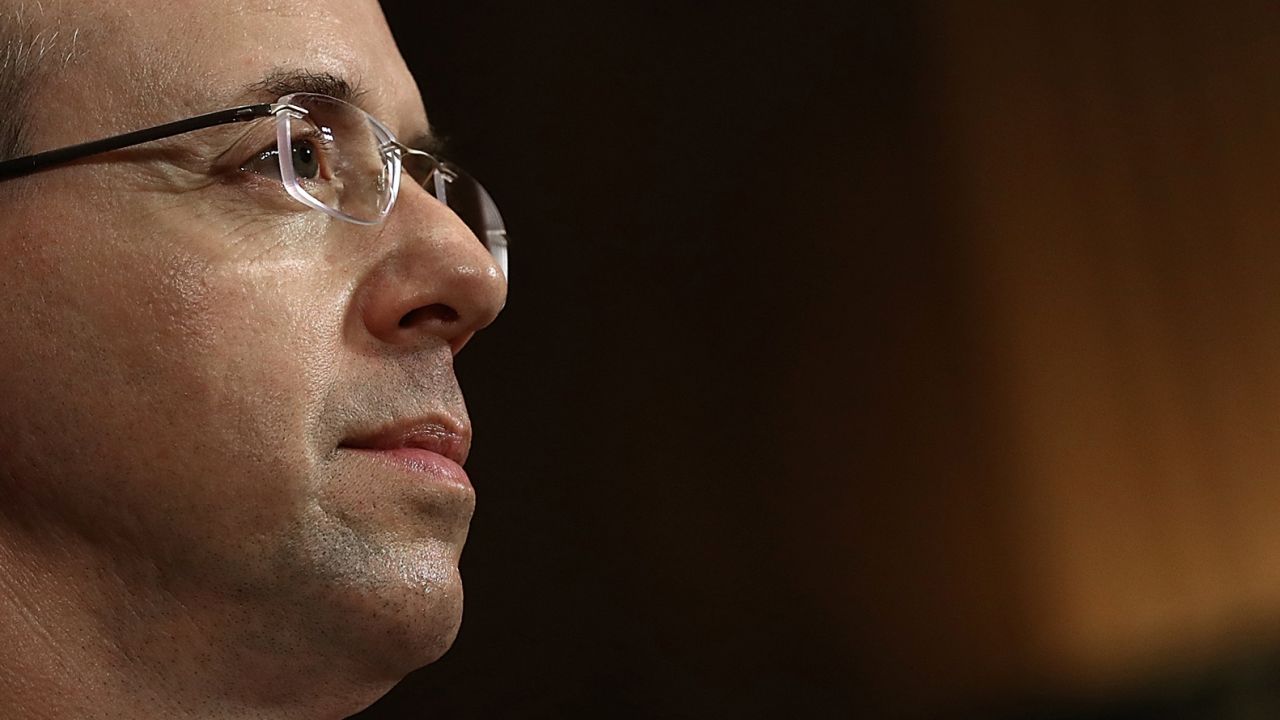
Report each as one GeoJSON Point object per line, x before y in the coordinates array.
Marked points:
{"type": "Point", "coordinates": [139, 61]}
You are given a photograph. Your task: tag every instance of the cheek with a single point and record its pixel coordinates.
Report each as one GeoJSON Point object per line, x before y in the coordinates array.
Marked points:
{"type": "Point", "coordinates": [243, 355]}
{"type": "Point", "coordinates": [167, 385]}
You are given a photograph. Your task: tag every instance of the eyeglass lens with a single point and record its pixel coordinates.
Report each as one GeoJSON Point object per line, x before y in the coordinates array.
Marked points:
{"type": "Point", "coordinates": [334, 157]}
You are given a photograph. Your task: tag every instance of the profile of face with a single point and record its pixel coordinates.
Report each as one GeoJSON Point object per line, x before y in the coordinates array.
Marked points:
{"type": "Point", "coordinates": [205, 380]}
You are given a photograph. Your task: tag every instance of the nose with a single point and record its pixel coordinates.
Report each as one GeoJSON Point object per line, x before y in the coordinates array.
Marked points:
{"type": "Point", "coordinates": [433, 281]}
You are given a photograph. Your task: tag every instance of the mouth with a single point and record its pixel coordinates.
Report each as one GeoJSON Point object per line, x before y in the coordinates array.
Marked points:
{"type": "Point", "coordinates": [431, 435]}
{"type": "Point", "coordinates": [425, 446]}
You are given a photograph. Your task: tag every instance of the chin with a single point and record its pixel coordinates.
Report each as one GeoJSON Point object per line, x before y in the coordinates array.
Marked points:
{"type": "Point", "coordinates": [414, 634]}
{"type": "Point", "coordinates": [407, 625]}
{"type": "Point", "coordinates": [432, 636]}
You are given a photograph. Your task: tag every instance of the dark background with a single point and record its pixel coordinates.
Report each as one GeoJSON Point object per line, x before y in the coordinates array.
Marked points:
{"type": "Point", "coordinates": [736, 449]}
{"type": "Point", "coordinates": [663, 169]}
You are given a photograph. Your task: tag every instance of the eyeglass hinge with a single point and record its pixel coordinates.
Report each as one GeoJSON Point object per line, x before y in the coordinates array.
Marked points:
{"type": "Point", "coordinates": [277, 108]}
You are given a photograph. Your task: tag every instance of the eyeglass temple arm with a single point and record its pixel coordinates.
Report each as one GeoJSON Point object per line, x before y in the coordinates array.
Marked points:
{"type": "Point", "coordinates": [32, 163]}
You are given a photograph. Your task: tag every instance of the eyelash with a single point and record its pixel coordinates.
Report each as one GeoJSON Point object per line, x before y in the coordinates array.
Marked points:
{"type": "Point", "coordinates": [270, 153]}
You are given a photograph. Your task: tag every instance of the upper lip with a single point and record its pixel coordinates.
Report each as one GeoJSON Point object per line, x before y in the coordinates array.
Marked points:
{"type": "Point", "coordinates": [434, 433]}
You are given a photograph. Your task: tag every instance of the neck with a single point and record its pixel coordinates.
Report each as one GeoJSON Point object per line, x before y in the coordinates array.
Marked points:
{"type": "Point", "coordinates": [84, 635]}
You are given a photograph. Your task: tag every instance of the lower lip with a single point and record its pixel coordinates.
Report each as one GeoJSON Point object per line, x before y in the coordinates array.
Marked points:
{"type": "Point", "coordinates": [420, 462]}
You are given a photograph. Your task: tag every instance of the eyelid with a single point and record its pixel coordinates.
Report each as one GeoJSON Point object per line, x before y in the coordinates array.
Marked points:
{"type": "Point", "coordinates": [259, 137]}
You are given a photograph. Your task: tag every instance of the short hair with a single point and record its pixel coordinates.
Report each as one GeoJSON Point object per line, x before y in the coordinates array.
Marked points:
{"type": "Point", "coordinates": [27, 37]}
{"type": "Point", "coordinates": [15, 85]}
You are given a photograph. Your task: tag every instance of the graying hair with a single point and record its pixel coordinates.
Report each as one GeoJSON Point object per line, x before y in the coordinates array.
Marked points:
{"type": "Point", "coordinates": [28, 43]}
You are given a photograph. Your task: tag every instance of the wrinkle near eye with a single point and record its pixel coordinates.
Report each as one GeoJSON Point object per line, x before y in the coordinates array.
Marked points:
{"type": "Point", "coordinates": [166, 173]}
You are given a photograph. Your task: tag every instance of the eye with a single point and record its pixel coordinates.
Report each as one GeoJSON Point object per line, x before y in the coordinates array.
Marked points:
{"type": "Point", "coordinates": [308, 161]}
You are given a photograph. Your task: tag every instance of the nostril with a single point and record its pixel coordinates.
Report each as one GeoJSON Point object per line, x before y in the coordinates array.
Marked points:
{"type": "Point", "coordinates": [437, 313]}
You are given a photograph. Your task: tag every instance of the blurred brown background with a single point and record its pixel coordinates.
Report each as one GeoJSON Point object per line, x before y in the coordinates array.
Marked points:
{"type": "Point", "coordinates": [903, 360]}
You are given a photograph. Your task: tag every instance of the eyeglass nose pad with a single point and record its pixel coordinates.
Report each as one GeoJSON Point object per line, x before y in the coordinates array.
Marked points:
{"type": "Point", "coordinates": [441, 181]}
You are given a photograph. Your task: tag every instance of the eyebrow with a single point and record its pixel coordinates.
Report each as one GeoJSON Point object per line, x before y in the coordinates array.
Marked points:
{"type": "Point", "coordinates": [286, 81]}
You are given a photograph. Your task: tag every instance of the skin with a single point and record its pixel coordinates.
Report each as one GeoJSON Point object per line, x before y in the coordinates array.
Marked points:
{"type": "Point", "coordinates": [181, 534]}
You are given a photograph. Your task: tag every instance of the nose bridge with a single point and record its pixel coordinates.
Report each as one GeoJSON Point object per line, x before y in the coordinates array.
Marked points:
{"type": "Point", "coordinates": [433, 279]}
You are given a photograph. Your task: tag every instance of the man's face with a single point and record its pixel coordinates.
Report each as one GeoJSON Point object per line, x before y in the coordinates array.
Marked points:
{"type": "Point", "coordinates": [189, 355]}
